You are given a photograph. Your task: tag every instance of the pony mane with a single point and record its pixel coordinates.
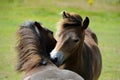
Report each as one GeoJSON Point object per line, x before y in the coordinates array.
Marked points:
{"type": "Point", "coordinates": [28, 47]}
{"type": "Point", "coordinates": [70, 19]}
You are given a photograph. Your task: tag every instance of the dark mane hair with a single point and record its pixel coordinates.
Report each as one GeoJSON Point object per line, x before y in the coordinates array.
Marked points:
{"type": "Point", "coordinates": [71, 19]}
{"type": "Point", "coordinates": [28, 47]}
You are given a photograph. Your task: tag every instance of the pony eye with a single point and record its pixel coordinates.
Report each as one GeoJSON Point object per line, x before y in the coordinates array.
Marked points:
{"type": "Point", "coordinates": [75, 40]}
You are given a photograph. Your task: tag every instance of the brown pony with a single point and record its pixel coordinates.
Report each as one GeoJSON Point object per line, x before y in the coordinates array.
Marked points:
{"type": "Point", "coordinates": [77, 47]}
{"type": "Point", "coordinates": [34, 45]}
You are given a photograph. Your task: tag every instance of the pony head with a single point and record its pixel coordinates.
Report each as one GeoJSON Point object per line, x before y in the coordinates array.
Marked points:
{"type": "Point", "coordinates": [70, 37]}
{"type": "Point", "coordinates": [33, 44]}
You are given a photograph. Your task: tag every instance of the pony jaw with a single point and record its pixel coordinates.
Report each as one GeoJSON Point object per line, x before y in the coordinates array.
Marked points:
{"type": "Point", "coordinates": [57, 57]}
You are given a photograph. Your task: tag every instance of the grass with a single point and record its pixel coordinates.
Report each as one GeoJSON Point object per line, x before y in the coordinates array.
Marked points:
{"type": "Point", "coordinates": [104, 20]}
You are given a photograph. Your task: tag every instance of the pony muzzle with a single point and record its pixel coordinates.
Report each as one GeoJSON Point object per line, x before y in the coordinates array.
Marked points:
{"type": "Point", "coordinates": [57, 57]}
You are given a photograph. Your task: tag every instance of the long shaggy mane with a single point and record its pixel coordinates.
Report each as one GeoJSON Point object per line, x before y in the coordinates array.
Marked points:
{"type": "Point", "coordinates": [27, 47]}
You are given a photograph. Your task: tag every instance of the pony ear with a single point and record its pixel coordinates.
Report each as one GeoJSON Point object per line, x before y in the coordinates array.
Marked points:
{"type": "Point", "coordinates": [85, 23]}
{"type": "Point", "coordinates": [65, 14]}
{"type": "Point", "coordinates": [38, 25]}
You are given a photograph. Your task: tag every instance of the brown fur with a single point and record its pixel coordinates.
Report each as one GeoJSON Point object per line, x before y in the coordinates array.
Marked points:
{"type": "Point", "coordinates": [33, 56]}
{"type": "Point", "coordinates": [79, 48]}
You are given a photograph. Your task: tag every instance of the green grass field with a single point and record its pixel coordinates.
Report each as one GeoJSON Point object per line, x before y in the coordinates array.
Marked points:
{"type": "Point", "coordinates": [104, 21]}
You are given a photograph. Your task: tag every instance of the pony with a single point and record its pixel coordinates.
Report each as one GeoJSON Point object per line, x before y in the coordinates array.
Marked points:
{"type": "Point", "coordinates": [77, 47]}
{"type": "Point", "coordinates": [34, 45]}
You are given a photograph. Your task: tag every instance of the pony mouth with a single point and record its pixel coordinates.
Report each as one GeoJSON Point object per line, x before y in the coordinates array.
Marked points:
{"type": "Point", "coordinates": [57, 61]}
{"type": "Point", "coordinates": [57, 58]}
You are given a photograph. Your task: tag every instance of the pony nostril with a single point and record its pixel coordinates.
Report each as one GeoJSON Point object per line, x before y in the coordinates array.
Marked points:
{"type": "Point", "coordinates": [54, 60]}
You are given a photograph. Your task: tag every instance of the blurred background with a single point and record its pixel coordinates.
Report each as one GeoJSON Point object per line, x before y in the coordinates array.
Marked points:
{"type": "Point", "coordinates": [104, 21]}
